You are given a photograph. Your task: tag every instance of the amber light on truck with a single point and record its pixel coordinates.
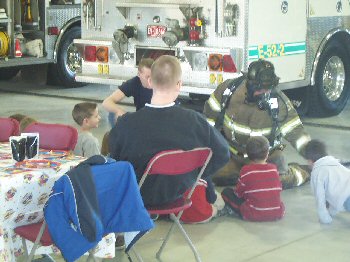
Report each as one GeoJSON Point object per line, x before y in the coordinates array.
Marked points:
{"type": "Point", "coordinates": [215, 62]}
{"type": "Point", "coordinates": [90, 53]}
{"type": "Point", "coordinates": [102, 54]}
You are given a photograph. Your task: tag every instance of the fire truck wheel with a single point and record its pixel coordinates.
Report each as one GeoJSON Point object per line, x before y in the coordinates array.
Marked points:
{"type": "Point", "coordinates": [330, 93]}
{"type": "Point", "coordinates": [299, 99]}
{"type": "Point", "coordinates": [8, 73]}
{"type": "Point", "coordinates": [68, 60]}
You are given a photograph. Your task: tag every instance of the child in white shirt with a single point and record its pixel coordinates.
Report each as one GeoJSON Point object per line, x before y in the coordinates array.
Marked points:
{"type": "Point", "coordinates": [330, 182]}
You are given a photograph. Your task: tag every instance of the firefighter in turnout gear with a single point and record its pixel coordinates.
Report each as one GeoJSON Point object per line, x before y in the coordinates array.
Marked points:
{"type": "Point", "coordinates": [251, 105]}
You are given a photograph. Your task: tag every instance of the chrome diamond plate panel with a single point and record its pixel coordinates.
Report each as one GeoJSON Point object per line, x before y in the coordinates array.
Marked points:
{"type": "Point", "coordinates": [58, 16]}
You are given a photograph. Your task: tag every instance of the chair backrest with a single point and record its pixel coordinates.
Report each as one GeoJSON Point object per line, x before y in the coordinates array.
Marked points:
{"type": "Point", "coordinates": [109, 181]}
{"type": "Point", "coordinates": [54, 136]}
{"type": "Point", "coordinates": [8, 127]}
{"type": "Point", "coordinates": [178, 162]}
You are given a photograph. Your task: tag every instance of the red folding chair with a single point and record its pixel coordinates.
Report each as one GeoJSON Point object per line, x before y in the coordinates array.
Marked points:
{"type": "Point", "coordinates": [8, 127]}
{"type": "Point", "coordinates": [174, 163]}
{"type": "Point", "coordinates": [38, 233]}
{"type": "Point", "coordinates": [54, 136]}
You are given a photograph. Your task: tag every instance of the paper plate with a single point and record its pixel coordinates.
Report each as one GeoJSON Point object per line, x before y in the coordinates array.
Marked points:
{"type": "Point", "coordinates": [51, 154]}
{"type": "Point", "coordinates": [33, 164]}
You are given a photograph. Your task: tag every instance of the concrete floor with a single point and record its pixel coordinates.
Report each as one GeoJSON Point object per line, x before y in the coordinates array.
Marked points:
{"type": "Point", "coordinates": [297, 237]}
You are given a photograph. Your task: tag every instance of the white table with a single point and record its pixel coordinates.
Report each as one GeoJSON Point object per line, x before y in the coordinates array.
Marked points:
{"type": "Point", "coordinates": [23, 193]}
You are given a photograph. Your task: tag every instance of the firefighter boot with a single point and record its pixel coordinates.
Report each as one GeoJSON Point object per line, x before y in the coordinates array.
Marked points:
{"type": "Point", "coordinates": [296, 175]}
{"type": "Point", "coordinates": [227, 175]}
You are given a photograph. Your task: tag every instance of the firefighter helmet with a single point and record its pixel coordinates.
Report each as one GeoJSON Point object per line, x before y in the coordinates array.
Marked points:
{"type": "Point", "coordinates": [262, 74]}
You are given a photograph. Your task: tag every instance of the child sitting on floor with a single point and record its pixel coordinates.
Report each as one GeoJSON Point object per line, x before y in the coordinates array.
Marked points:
{"type": "Point", "coordinates": [87, 117]}
{"type": "Point", "coordinates": [330, 181]}
{"type": "Point", "coordinates": [257, 193]}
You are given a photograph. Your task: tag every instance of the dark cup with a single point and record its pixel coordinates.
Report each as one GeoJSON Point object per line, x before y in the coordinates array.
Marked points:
{"type": "Point", "coordinates": [31, 146]}
{"type": "Point", "coordinates": [18, 146]}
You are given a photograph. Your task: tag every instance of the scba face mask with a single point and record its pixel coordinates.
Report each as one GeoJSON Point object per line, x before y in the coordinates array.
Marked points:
{"type": "Point", "coordinates": [261, 76]}
{"type": "Point", "coordinates": [263, 101]}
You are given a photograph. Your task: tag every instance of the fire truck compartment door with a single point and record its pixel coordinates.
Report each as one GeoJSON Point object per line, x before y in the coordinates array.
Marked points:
{"type": "Point", "coordinates": [277, 32]}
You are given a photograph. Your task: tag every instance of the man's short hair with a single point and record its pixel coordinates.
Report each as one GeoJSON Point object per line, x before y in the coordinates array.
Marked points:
{"type": "Point", "coordinates": [82, 111]}
{"type": "Point", "coordinates": [145, 62]}
{"type": "Point", "coordinates": [18, 117]}
{"type": "Point", "coordinates": [25, 122]}
{"type": "Point", "coordinates": [315, 149]}
{"type": "Point", "coordinates": [166, 71]}
{"type": "Point", "coordinates": [257, 148]}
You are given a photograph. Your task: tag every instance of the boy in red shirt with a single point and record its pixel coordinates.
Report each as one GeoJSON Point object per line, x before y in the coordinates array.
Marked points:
{"type": "Point", "coordinates": [256, 196]}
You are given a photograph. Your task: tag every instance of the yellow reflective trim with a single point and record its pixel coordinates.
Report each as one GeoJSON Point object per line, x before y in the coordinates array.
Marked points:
{"type": "Point", "coordinates": [261, 132]}
{"type": "Point", "coordinates": [299, 177]}
{"type": "Point", "coordinates": [301, 141]}
{"type": "Point", "coordinates": [235, 152]}
{"type": "Point", "coordinates": [211, 121]}
{"type": "Point", "coordinates": [227, 118]}
{"type": "Point", "coordinates": [214, 104]}
{"type": "Point", "coordinates": [244, 130]}
{"type": "Point", "coordinates": [228, 123]}
{"type": "Point", "coordinates": [240, 129]}
{"type": "Point", "coordinates": [290, 125]}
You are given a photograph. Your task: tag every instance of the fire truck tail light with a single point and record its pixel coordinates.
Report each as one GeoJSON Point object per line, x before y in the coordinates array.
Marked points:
{"type": "Point", "coordinates": [215, 62]}
{"type": "Point", "coordinates": [53, 30]}
{"type": "Point", "coordinates": [228, 64]}
{"type": "Point", "coordinates": [102, 54]}
{"type": "Point", "coordinates": [113, 57]}
{"type": "Point", "coordinates": [90, 53]}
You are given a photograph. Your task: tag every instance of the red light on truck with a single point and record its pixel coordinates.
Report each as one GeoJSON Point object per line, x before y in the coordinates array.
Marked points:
{"type": "Point", "coordinates": [90, 53]}
{"type": "Point", "coordinates": [53, 30]}
{"type": "Point", "coordinates": [228, 64]}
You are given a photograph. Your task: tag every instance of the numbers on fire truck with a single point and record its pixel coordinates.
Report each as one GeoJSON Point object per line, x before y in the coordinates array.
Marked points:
{"type": "Point", "coordinates": [272, 50]}
{"type": "Point", "coordinates": [276, 50]}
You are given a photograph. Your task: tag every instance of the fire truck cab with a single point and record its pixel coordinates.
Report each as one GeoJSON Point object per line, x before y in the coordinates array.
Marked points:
{"type": "Point", "coordinates": [308, 41]}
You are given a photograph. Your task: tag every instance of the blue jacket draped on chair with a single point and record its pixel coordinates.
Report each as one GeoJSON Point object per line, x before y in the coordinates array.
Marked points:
{"type": "Point", "coordinates": [93, 200]}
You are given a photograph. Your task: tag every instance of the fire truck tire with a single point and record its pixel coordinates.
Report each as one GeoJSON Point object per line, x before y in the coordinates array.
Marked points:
{"type": "Point", "coordinates": [199, 97]}
{"type": "Point", "coordinates": [8, 73]}
{"type": "Point", "coordinates": [299, 99]}
{"type": "Point", "coordinates": [64, 70]}
{"type": "Point", "coordinates": [330, 93]}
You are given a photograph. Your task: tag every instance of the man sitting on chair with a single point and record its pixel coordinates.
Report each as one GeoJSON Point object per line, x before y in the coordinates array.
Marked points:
{"type": "Point", "coordinates": [162, 125]}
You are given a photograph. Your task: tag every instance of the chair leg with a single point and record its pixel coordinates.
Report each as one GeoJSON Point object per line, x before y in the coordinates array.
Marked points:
{"type": "Point", "coordinates": [36, 243]}
{"type": "Point", "coordinates": [137, 255]}
{"type": "Point", "coordinates": [165, 239]}
{"type": "Point", "coordinates": [24, 244]}
{"type": "Point", "coordinates": [194, 250]}
{"type": "Point", "coordinates": [91, 256]}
